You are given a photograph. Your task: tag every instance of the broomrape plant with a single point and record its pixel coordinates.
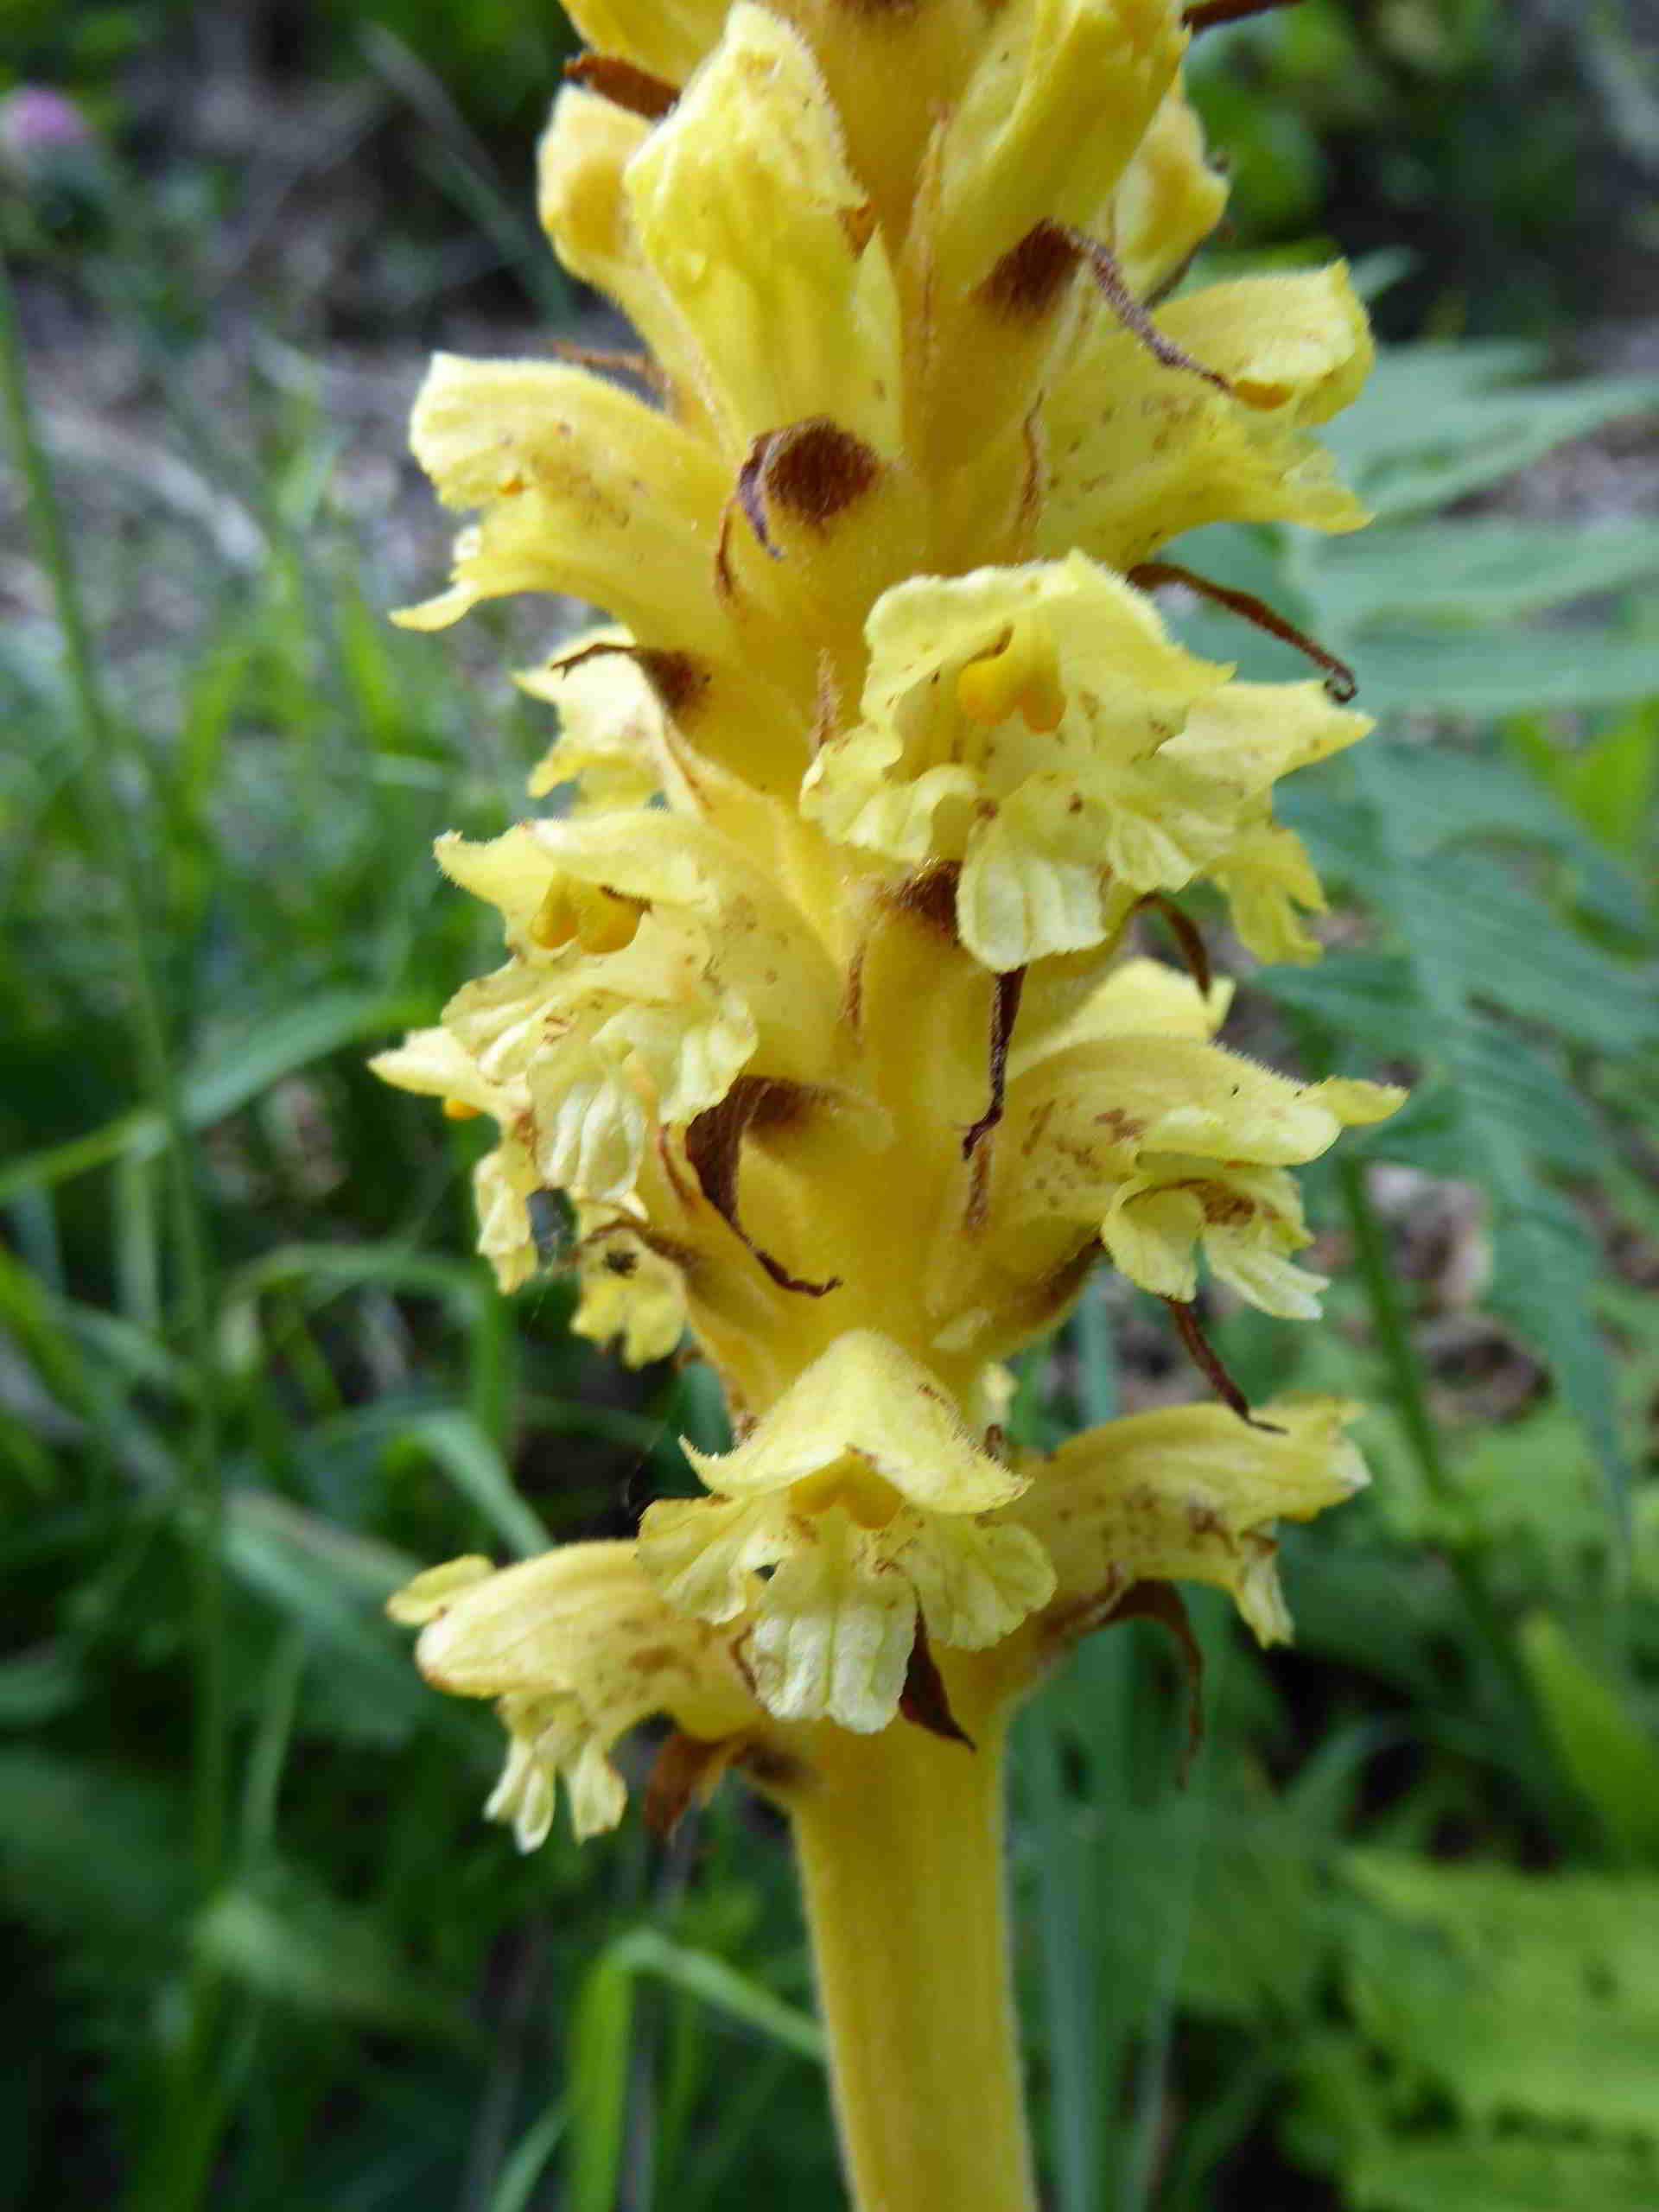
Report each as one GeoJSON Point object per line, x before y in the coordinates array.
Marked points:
{"type": "Point", "coordinates": [815, 1003]}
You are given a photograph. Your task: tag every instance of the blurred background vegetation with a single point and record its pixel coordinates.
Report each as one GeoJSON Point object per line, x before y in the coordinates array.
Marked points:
{"type": "Point", "coordinates": [1394, 1946]}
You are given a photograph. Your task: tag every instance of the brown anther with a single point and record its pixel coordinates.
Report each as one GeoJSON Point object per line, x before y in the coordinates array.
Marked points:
{"type": "Point", "coordinates": [923, 1701]}
{"type": "Point", "coordinates": [1339, 679]}
{"type": "Point", "coordinates": [714, 1145]}
{"type": "Point", "coordinates": [1113, 287]}
{"type": "Point", "coordinates": [1204, 15]}
{"type": "Point", "coordinates": [1207, 1360]}
{"type": "Point", "coordinates": [623, 84]}
{"type": "Point", "coordinates": [1004, 1012]}
{"type": "Point", "coordinates": [1185, 930]}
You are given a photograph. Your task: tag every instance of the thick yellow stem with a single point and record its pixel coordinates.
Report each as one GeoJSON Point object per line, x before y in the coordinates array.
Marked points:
{"type": "Point", "coordinates": [899, 1837]}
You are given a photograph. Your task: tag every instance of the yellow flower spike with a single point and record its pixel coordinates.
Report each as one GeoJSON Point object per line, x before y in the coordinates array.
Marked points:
{"type": "Point", "coordinates": [578, 1648]}
{"type": "Point", "coordinates": [575, 476]}
{"type": "Point", "coordinates": [1188, 1494]}
{"type": "Point", "coordinates": [759, 233]}
{"type": "Point", "coordinates": [1138, 453]}
{"type": "Point", "coordinates": [864, 1491]}
{"type": "Point", "coordinates": [813, 1006]}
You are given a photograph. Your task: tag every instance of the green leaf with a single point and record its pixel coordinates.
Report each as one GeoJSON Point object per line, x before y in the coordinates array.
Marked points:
{"type": "Point", "coordinates": [1468, 933]}
{"type": "Point", "coordinates": [1610, 1756]}
{"type": "Point", "coordinates": [1429, 429]}
{"type": "Point", "coordinates": [1512, 1993]}
{"type": "Point", "coordinates": [1406, 671]}
{"type": "Point", "coordinates": [91, 1851]}
{"type": "Point", "coordinates": [233, 1069]}
{"type": "Point", "coordinates": [1478, 572]}
{"type": "Point", "coordinates": [289, 1941]}
{"type": "Point", "coordinates": [481, 1474]}
{"type": "Point", "coordinates": [1484, 2172]}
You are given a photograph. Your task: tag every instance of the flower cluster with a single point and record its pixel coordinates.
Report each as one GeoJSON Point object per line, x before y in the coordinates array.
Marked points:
{"type": "Point", "coordinates": [818, 1002]}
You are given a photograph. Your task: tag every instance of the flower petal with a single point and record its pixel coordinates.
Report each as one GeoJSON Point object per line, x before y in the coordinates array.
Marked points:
{"type": "Point", "coordinates": [1190, 1494]}
{"type": "Point", "coordinates": [1140, 453]}
{"type": "Point", "coordinates": [975, 1582]}
{"type": "Point", "coordinates": [578, 1645]}
{"type": "Point", "coordinates": [833, 1637]}
{"type": "Point", "coordinates": [867, 1398]}
{"type": "Point", "coordinates": [585, 491]}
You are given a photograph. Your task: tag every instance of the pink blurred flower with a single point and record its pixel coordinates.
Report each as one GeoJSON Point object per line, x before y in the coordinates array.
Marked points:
{"type": "Point", "coordinates": [39, 126]}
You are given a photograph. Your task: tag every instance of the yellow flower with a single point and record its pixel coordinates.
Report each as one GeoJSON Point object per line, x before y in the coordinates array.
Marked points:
{"type": "Point", "coordinates": [855, 1506]}
{"type": "Point", "coordinates": [578, 1648]}
{"type": "Point", "coordinates": [1187, 1494]}
{"type": "Point", "coordinates": [1039, 727]}
{"type": "Point", "coordinates": [1138, 453]}
{"type": "Point", "coordinates": [1164, 1144]}
{"type": "Point", "coordinates": [652, 962]}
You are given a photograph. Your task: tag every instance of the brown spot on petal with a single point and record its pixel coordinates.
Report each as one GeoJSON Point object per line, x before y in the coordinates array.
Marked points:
{"type": "Point", "coordinates": [623, 84]}
{"type": "Point", "coordinates": [1032, 275]}
{"type": "Point", "coordinates": [930, 897]}
{"type": "Point", "coordinates": [679, 680]}
{"type": "Point", "coordinates": [814, 470]}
